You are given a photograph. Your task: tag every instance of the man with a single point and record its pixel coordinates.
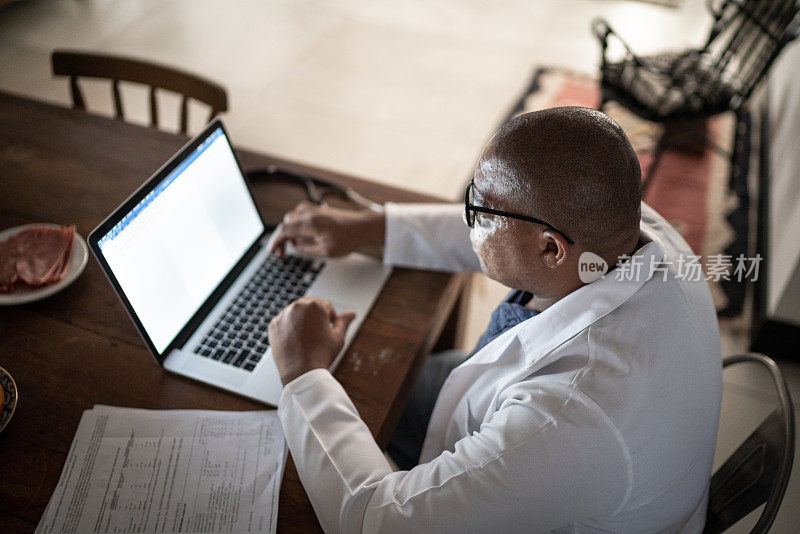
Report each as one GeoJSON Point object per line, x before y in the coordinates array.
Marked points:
{"type": "Point", "coordinates": [588, 405]}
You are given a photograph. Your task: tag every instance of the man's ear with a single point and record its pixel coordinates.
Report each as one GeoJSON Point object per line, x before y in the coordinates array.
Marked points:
{"type": "Point", "coordinates": [554, 249]}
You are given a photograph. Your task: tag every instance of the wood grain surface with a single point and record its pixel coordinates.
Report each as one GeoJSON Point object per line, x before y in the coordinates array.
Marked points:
{"type": "Point", "coordinates": [79, 348]}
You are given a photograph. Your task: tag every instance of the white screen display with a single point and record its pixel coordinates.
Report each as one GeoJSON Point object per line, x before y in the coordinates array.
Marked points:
{"type": "Point", "coordinates": [173, 249]}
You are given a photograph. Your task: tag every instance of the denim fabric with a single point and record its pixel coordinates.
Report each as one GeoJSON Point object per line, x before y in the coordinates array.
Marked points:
{"type": "Point", "coordinates": [512, 311]}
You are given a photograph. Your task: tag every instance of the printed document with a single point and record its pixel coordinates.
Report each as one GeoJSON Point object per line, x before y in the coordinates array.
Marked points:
{"type": "Point", "coordinates": [148, 471]}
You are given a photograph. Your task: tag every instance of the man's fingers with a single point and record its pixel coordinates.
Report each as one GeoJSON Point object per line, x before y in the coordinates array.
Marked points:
{"type": "Point", "coordinates": [278, 246]}
{"type": "Point", "coordinates": [294, 219]}
{"type": "Point", "coordinates": [275, 324]}
{"type": "Point", "coordinates": [304, 205]}
{"type": "Point", "coordinates": [295, 224]}
{"type": "Point", "coordinates": [300, 219]}
{"type": "Point", "coordinates": [341, 323]}
{"type": "Point", "coordinates": [327, 307]}
{"type": "Point", "coordinates": [310, 249]}
{"type": "Point", "coordinates": [282, 234]}
{"type": "Point", "coordinates": [299, 228]}
{"type": "Point", "coordinates": [323, 304]}
{"type": "Point", "coordinates": [306, 241]}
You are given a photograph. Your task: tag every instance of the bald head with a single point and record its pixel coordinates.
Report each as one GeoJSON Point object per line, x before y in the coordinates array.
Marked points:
{"type": "Point", "coordinates": [572, 167]}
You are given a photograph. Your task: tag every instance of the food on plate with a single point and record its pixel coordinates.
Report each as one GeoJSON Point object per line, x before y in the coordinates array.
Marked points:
{"type": "Point", "coordinates": [35, 257]}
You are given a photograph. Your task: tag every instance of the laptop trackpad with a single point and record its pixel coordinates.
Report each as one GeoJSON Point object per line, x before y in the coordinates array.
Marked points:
{"type": "Point", "coordinates": [221, 375]}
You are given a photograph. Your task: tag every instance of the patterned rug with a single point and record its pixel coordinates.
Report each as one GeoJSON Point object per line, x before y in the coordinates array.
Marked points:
{"type": "Point", "coordinates": [702, 195]}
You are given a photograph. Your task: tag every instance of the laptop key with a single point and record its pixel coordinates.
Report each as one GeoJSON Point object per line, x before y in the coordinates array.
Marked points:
{"type": "Point", "coordinates": [240, 336]}
{"type": "Point", "coordinates": [241, 358]}
{"type": "Point", "coordinates": [249, 366]}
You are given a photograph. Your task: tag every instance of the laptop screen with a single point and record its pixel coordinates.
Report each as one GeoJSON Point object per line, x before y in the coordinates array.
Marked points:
{"type": "Point", "coordinates": [179, 242]}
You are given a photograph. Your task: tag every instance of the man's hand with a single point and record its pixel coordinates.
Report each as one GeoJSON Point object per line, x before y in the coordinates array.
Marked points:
{"type": "Point", "coordinates": [325, 231]}
{"type": "Point", "coordinates": [307, 335]}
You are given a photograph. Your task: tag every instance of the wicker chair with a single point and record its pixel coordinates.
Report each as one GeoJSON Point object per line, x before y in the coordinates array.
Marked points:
{"type": "Point", "coordinates": [682, 89]}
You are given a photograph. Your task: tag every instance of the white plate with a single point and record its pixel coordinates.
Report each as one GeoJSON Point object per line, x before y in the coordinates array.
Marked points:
{"type": "Point", "coordinates": [80, 257]}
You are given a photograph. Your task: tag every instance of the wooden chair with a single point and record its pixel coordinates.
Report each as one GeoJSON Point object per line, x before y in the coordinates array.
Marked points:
{"type": "Point", "coordinates": [682, 89]}
{"type": "Point", "coordinates": [81, 64]}
{"type": "Point", "coordinates": [758, 471]}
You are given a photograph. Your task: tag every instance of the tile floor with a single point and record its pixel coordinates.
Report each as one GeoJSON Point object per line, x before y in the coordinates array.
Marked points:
{"type": "Point", "coordinates": [405, 93]}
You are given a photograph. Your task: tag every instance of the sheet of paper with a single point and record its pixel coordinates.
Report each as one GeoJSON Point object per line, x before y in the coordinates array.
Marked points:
{"type": "Point", "coordinates": [144, 471]}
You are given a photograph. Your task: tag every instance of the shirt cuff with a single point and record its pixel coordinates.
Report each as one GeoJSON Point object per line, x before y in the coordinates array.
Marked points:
{"type": "Point", "coordinates": [305, 380]}
{"type": "Point", "coordinates": [428, 236]}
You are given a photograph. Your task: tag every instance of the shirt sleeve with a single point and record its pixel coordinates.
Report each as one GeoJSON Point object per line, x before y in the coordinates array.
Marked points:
{"type": "Point", "coordinates": [545, 460]}
{"type": "Point", "coordinates": [428, 236]}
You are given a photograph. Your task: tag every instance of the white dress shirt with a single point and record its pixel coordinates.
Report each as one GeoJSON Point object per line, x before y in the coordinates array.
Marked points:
{"type": "Point", "coordinates": [598, 414]}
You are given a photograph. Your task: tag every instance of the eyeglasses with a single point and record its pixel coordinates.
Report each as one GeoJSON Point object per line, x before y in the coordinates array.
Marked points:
{"type": "Point", "coordinates": [470, 209]}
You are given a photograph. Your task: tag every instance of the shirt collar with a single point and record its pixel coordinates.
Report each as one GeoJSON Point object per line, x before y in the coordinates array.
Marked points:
{"type": "Point", "coordinates": [565, 319]}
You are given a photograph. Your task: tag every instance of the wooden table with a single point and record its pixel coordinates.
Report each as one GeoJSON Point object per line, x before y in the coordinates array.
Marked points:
{"type": "Point", "coordinates": [79, 348]}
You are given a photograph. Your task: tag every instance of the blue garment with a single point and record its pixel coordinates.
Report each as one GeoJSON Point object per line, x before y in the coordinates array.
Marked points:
{"type": "Point", "coordinates": [507, 315]}
{"type": "Point", "coordinates": [405, 445]}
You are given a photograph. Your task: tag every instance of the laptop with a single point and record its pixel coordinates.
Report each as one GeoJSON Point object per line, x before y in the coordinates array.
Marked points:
{"type": "Point", "coordinates": [188, 255]}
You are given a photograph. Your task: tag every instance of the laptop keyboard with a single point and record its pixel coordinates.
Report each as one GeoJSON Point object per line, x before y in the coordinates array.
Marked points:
{"type": "Point", "coordinates": [239, 337]}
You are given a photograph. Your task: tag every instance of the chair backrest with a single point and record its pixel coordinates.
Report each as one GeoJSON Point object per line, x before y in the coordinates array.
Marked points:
{"type": "Point", "coordinates": [82, 64]}
{"type": "Point", "coordinates": [745, 38]}
{"type": "Point", "coordinates": [758, 471]}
